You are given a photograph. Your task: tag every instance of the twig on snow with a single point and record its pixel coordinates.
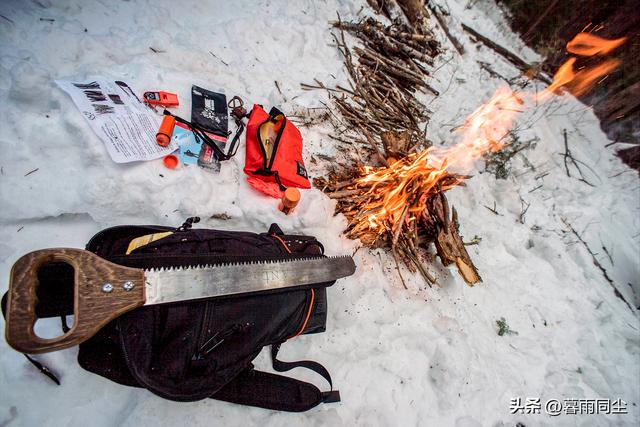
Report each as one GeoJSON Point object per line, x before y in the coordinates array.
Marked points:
{"type": "Point", "coordinates": [606, 251]}
{"type": "Point", "coordinates": [395, 258]}
{"type": "Point", "coordinates": [279, 91]}
{"type": "Point", "coordinates": [524, 207]}
{"type": "Point", "coordinates": [4, 17]}
{"type": "Point", "coordinates": [219, 59]}
{"type": "Point", "coordinates": [536, 188]}
{"type": "Point", "coordinates": [485, 66]}
{"type": "Point", "coordinates": [475, 241]}
{"type": "Point", "coordinates": [494, 210]}
{"type": "Point", "coordinates": [597, 264]}
{"type": "Point", "coordinates": [567, 155]}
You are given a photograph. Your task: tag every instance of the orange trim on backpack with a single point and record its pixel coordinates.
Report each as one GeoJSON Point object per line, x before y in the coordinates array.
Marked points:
{"type": "Point", "coordinates": [313, 293]}
{"type": "Point", "coordinates": [282, 241]}
{"type": "Point", "coordinates": [304, 325]}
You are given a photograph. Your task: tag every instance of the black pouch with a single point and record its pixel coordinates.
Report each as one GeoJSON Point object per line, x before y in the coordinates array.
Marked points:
{"type": "Point", "coordinates": [193, 350]}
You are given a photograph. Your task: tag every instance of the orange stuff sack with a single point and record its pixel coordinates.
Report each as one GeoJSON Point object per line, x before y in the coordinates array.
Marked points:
{"type": "Point", "coordinates": [274, 153]}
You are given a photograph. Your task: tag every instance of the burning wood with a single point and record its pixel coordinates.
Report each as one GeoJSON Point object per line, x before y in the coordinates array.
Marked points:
{"type": "Point", "coordinates": [401, 205]}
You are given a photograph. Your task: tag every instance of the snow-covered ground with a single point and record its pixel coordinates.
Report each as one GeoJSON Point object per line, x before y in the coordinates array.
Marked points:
{"type": "Point", "coordinates": [423, 356]}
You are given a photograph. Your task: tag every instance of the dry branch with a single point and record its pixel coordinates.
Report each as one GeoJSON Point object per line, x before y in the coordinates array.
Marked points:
{"type": "Point", "coordinates": [507, 54]}
{"type": "Point", "coordinates": [568, 156]}
{"type": "Point", "coordinates": [597, 264]}
{"type": "Point", "coordinates": [454, 41]}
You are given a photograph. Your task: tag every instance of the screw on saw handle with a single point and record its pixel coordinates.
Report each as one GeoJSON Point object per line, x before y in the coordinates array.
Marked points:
{"type": "Point", "coordinates": [102, 291]}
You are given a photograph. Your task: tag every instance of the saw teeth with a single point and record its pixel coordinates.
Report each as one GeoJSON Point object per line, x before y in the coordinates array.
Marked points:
{"type": "Point", "coordinates": [244, 263]}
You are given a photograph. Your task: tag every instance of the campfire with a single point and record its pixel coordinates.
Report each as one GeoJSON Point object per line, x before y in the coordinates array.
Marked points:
{"type": "Point", "coordinates": [401, 205]}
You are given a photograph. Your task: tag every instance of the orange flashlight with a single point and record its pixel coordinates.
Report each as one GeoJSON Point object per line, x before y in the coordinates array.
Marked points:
{"type": "Point", "coordinates": [163, 137]}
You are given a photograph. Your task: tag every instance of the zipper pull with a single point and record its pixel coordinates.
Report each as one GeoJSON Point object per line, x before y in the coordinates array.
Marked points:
{"type": "Point", "coordinates": [218, 338]}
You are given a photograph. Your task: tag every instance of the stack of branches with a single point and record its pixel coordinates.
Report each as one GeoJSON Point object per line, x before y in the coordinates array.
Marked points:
{"type": "Point", "coordinates": [391, 66]}
{"type": "Point", "coordinates": [409, 13]}
{"type": "Point", "coordinates": [403, 207]}
{"type": "Point", "coordinates": [380, 110]}
{"type": "Point", "coordinates": [393, 50]}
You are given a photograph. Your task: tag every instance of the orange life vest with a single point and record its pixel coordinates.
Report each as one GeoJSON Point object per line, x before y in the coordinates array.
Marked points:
{"type": "Point", "coordinates": [274, 153]}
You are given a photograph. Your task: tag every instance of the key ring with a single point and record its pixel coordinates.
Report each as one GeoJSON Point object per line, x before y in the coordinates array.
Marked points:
{"type": "Point", "coordinates": [235, 102]}
{"type": "Point", "coordinates": [237, 107]}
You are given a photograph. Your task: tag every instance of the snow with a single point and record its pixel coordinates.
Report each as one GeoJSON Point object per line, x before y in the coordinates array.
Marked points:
{"type": "Point", "coordinates": [399, 357]}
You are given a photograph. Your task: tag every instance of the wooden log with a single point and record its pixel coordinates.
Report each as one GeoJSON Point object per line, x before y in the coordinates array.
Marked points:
{"type": "Point", "coordinates": [398, 48]}
{"type": "Point", "coordinates": [344, 193]}
{"type": "Point", "coordinates": [415, 257]}
{"type": "Point", "coordinates": [449, 246]}
{"type": "Point", "coordinates": [454, 41]}
{"type": "Point", "coordinates": [376, 5]}
{"type": "Point", "coordinates": [451, 249]}
{"type": "Point", "coordinates": [402, 74]}
{"type": "Point", "coordinates": [373, 144]}
{"type": "Point", "coordinates": [415, 12]}
{"type": "Point", "coordinates": [390, 63]}
{"type": "Point", "coordinates": [520, 63]}
{"type": "Point", "coordinates": [354, 27]}
{"type": "Point", "coordinates": [395, 13]}
{"type": "Point", "coordinates": [394, 45]}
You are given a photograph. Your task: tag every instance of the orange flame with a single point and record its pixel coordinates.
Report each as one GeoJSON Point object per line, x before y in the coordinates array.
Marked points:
{"type": "Point", "coordinates": [585, 44]}
{"type": "Point", "coordinates": [578, 83]}
{"type": "Point", "coordinates": [484, 130]}
{"type": "Point", "coordinates": [419, 174]}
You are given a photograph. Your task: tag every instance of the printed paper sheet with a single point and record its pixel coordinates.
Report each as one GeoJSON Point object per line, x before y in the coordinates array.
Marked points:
{"type": "Point", "coordinates": [115, 113]}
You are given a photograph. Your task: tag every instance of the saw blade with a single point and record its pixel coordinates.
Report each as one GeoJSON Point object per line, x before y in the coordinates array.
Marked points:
{"type": "Point", "coordinates": [166, 285]}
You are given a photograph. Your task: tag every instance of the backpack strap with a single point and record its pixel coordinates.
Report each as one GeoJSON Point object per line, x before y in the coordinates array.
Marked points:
{"type": "Point", "coordinates": [272, 391]}
{"type": "Point", "coordinates": [280, 366]}
{"type": "Point", "coordinates": [277, 392]}
{"type": "Point", "coordinates": [200, 135]}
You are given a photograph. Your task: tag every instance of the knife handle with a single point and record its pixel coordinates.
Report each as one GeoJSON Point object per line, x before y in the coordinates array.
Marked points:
{"type": "Point", "coordinates": [100, 295]}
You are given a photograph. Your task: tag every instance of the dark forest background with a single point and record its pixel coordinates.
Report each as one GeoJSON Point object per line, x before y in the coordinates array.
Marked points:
{"type": "Point", "coordinates": [547, 25]}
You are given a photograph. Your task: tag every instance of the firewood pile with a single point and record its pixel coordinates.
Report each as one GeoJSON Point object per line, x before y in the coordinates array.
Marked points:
{"type": "Point", "coordinates": [384, 75]}
{"type": "Point", "coordinates": [403, 207]}
{"type": "Point", "coordinates": [395, 198]}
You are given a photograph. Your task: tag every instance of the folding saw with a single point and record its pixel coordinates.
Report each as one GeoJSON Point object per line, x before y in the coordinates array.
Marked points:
{"type": "Point", "coordinates": [104, 290]}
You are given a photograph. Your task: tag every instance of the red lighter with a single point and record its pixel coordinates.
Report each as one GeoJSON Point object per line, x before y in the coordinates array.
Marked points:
{"type": "Point", "coordinates": [165, 99]}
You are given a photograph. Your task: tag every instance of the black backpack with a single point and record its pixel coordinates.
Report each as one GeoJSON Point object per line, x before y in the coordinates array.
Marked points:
{"type": "Point", "coordinates": [198, 349]}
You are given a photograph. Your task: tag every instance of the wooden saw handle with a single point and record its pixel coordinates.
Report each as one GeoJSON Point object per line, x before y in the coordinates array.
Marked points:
{"type": "Point", "coordinates": [100, 295]}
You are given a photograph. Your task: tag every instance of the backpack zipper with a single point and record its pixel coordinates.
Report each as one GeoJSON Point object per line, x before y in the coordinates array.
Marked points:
{"type": "Point", "coordinates": [217, 339]}
{"type": "Point", "coordinates": [267, 167]}
{"type": "Point", "coordinates": [203, 326]}
{"type": "Point", "coordinates": [277, 142]}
